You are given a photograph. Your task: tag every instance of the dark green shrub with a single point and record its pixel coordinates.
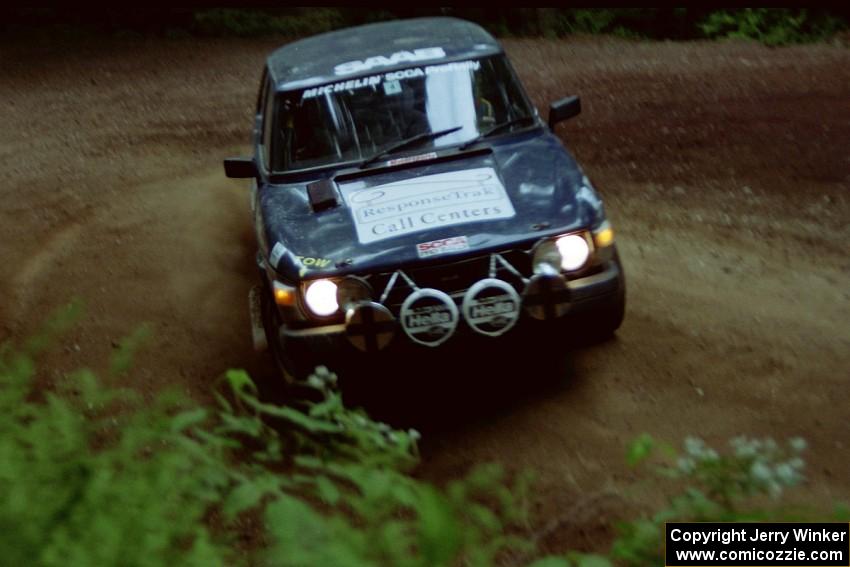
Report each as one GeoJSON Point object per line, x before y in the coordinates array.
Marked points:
{"type": "Point", "coordinates": [249, 23]}
{"type": "Point", "coordinates": [743, 484]}
{"type": "Point", "coordinates": [91, 475]}
{"type": "Point", "coordinates": [771, 26]}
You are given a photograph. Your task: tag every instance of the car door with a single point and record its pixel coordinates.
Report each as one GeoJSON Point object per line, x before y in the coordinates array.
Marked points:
{"type": "Point", "coordinates": [263, 152]}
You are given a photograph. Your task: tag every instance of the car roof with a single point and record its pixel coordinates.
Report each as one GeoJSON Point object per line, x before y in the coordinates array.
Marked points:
{"type": "Point", "coordinates": [311, 61]}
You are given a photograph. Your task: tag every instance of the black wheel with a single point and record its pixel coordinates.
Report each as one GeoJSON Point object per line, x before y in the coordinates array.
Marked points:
{"type": "Point", "coordinates": [292, 366]}
{"type": "Point", "coordinates": [602, 323]}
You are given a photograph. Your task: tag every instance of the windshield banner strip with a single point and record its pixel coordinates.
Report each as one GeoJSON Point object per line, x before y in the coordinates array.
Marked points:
{"type": "Point", "coordinates": [372, 80]}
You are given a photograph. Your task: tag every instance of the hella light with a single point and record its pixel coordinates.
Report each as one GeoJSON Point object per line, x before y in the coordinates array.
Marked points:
{"type": "Point", "coordinates": [547, 258]}
{"type": "Point", "coordinates": [351, 290]}
{"type": "Point", "coordinates": [320, 297]}
{"type": "Point", "coordinates": [574, 251]}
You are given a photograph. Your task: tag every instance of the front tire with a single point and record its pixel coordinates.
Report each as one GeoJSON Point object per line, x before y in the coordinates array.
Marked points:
{"type": "Point", "coordinates": [291, 364]}
{"type": "Point", "coordinates": [601, 324]}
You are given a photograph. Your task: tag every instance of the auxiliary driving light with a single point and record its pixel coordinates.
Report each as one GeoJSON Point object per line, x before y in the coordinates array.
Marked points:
{"type": "Point", "coordinates": [547, 258]}
{"type": "Point", "coordinates": [574, 251]}
{"type": "Point", "coordinates": [320, 297]}
{"type": "Point", "coordinates": [352, 290]}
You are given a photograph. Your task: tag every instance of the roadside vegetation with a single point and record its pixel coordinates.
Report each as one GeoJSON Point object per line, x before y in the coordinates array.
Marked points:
{"type": "Point", "coordinates": [90, 474]}
{"type": "Point", "coordinates": [771, 26]}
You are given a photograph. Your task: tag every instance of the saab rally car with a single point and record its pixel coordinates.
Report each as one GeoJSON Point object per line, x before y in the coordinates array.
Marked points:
{"type": "Point", "coordinates": [406, 189]}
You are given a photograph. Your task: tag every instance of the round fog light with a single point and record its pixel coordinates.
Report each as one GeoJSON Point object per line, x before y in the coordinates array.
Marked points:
{"type": "Point", "coordinates": [574, 251]}
{"type": "Point", "coordinates": [547, 258]}
{"type": "Point", "coordinates": [320, 297]}
{"type": "Point", "coordinates": [351, 290]}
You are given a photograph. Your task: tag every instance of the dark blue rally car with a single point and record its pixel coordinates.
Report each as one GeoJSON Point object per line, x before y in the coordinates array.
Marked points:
{"type": "Point", "coordinates": [405, 190]}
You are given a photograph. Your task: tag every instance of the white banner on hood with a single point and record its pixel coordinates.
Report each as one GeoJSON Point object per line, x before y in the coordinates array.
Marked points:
{"type": "Point", "coordinates": [427, 202]}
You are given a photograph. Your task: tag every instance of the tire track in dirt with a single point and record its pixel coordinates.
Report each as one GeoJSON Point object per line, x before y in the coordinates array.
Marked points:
{"type": "Point", "coordinates": [34, 270]}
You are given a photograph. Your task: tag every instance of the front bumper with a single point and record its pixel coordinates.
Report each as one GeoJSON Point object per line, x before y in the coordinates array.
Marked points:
{"type": "Point", "coordinates": [585, 295]}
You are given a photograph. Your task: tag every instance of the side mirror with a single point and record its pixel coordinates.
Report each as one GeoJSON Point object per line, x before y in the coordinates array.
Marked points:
{"type": "Point", "coordinates": [564, 109]}
{"type": "Point", "coordinates": [241, 168]}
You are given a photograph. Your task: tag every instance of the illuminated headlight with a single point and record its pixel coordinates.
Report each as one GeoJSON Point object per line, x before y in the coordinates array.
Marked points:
{"type": "Point", "coordinates": [574, 251]}
{"type": "Point", "coordinates": [320, 297]}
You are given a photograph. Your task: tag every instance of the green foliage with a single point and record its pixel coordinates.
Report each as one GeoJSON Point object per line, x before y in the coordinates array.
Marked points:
{"type": "Point", "coordinates": [136, 500]}
{"type": "Point", "coordinates": [713, 487]}
{"type": "Point", "coordinates": [771, 26]}
{"type": "Point", "coordinates": [91, 475]}
{"type": "Point", "coordinates": [249, 23]}
{"type": "Point", "coordinates": [585, 21]}
{"type": "Point", "coordinates": [640, 449]}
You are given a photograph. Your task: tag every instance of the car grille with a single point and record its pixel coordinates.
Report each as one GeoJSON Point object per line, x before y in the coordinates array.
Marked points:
{"type": "Point", "coordinates": [454, 278]}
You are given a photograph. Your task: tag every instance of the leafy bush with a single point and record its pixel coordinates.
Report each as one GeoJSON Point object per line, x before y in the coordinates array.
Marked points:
{"type": "Point", "coordinates": [594, 21]}
{"type": "Point", "coordinates": [767, 25]}
{"type": "Point", "coordinates": [771, 26]}
{"type": "Point", "coordinates": [248, 23]}
{"type": "Point", "coordinates": [84, 483]}
{"type": "Point", "coordinates": [92, 475]}
{"type": "Point", "coordinates": [713, 487]}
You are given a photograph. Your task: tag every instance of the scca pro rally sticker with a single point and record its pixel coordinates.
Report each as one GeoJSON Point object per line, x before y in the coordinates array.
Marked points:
{"type": "Point", "coordinates": [491, 307]}
{"type": "Point", "coordinates": [453, 244]}
{"type": "Point", "coordinates": [427, 202]}
{"type": "Point", "coordinates": [429, 317]}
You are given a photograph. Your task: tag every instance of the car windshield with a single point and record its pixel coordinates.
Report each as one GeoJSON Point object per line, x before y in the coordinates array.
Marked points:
{"type": "Point", "coordinates": [355, 119]}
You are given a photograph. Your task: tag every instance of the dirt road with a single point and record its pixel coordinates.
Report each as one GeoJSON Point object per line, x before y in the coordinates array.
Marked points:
{"type": "Point", "coordinates": [725, 169]}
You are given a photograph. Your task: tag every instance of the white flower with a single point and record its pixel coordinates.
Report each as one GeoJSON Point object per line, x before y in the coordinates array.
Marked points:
{"type": "Point", "coordinates": [774, 489]}
{"type": "Point", "coordinates": [685, 465]}
{"type": "Point", "coordinates": [744, 448]}
{"type": "Point", "coordinates": [710, 455]}
{"type": "Point", "coordinates": [798, 444]}
{"type": "Point", "coordinates": [786, 474]}
{"type": "Point", "coordinates": [761, 472]}
{"type": "Point", "coordinates": [694, 445]}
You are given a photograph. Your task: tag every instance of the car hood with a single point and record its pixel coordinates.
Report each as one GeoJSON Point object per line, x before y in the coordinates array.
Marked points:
{"type": "Point", "coordinates": [473, 203]}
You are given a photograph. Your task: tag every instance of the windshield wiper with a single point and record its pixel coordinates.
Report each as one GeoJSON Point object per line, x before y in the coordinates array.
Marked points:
{"type": "Point", "coordinates": [498, 128]}
{"type": "Point", "coordinates": [410, 142]}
